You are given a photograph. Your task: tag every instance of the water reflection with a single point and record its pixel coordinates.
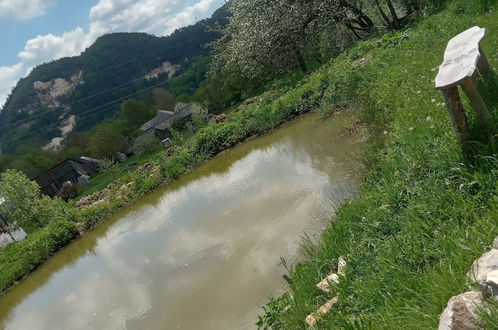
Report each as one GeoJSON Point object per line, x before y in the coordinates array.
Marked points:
{"type": "Point", "coordinates": [201, 253]}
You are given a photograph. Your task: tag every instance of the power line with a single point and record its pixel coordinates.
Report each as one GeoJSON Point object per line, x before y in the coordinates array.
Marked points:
{"type": "Point", "coordinates": [91, 110]}
{"type": "Point", "coordinates": [17, 123]}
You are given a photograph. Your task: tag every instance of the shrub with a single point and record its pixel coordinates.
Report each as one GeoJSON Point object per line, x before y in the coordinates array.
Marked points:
{"type": "Point", "coordinates": [23, 203]}
{"type": "Point", "coordinates": [20, 258]}
{"type": "Point", "coordinates": [145, 145]}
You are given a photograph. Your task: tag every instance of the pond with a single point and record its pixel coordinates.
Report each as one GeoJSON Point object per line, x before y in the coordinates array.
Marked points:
{"type": "Point", "coordinates": [203, 252]}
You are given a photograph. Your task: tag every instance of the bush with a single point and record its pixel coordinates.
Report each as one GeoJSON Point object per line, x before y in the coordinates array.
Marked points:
{"type": "Point", "coordinates": [20, 258]}
{"type": "Point", "coordinates": [145, 145]}
{"type": "Point", "coordinates": [23, 203]}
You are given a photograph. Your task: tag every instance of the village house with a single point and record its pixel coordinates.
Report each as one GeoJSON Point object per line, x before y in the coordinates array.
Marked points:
{"type": "Point", "coordinates": [75, 171]}
{"type": "Point", "coordinates": [160, 124]}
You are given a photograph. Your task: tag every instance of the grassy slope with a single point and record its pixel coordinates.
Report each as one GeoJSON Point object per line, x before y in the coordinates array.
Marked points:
{"type": "Point", "coordinates": [425, 212]}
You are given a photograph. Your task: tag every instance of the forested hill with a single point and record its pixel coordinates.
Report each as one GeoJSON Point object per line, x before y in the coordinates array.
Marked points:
{"type": "Point", "coordinates": [115, 66]}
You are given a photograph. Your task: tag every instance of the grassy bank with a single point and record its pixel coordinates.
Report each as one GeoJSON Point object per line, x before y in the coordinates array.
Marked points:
{"type": "Point", "coordinates": [18, 259]}
{"type": "Point", "coordinates": [425, 211]}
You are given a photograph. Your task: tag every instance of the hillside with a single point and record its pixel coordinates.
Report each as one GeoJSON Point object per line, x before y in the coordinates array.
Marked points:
{"type": "Point", "coordinates": [115, 66]}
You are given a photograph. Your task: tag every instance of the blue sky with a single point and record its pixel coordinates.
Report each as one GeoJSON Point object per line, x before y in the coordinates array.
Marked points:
{"type": "Point", "coordinates": [63, 16]}
{"type": "Point", "coordinates": [36, 31]}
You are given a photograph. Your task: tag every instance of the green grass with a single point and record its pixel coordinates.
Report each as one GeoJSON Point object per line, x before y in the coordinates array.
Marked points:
{"type": "Point", "coordinates": [20, 258]}
{"type": "Point", "coordinates": [426, 211]}
{"type": "Point", "coordinates": [104, 178]}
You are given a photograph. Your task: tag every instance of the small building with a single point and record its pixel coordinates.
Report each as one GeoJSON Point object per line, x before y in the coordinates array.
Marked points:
{"type": "Point", "coordinates": [160, 124]}
{"type": "Point", "coordinates": [52, 180]}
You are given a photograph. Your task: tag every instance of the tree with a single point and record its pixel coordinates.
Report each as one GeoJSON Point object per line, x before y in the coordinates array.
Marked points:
{"type": "Point", "coordinates": [106, 140]}
{"type": "Point", "coordinates": [259, 44]}
{"type": "Point", "coordinates": [265, 38]}
{"type": "Point", "coordinates": [135, 113]}
{"type": "Point", "coordinates": [23, 203]}
{"type": "Point", "coordinates": [163, 100]}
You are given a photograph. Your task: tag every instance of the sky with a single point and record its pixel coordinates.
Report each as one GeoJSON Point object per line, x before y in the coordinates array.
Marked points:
{"type": "Point", "coordinates": [33, 32]}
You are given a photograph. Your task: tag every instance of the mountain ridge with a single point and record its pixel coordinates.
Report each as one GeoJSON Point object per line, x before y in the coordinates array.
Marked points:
{"type": "Point", "coordinates": [115, 65]}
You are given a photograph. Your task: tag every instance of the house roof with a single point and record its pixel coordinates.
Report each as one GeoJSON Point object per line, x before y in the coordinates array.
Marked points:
{"type": "Point", "coordinates": [165, 119]}
{"type": "Point", "coordinates": [160, 117]}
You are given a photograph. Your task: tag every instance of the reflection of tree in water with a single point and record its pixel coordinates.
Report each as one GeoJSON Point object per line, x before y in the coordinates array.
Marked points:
{"type": "Point", "coordinates": [322, 144]}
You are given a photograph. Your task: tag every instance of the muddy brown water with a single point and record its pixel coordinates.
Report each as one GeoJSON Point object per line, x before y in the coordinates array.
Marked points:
{"type": "Point", "coordinates": [203, 252]}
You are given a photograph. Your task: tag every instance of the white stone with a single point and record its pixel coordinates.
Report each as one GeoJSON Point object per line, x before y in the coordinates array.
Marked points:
{"type": "Point", "coordinates": [460, 58]}
{"type": "Point", "coordinates": [461, 312]}
{"type": "Point", "coordinates": [341, 266]}
{"type": "Point", "coordinates": [495, 243]}
{"type": "Point", "coordinates": [324, 284]}
{"type": "Point", "coordinates": [480, 269]}
{"type": "Point", "coordinates": [324, 309]}
{"type": "Point", "coordinates": [492, 283]}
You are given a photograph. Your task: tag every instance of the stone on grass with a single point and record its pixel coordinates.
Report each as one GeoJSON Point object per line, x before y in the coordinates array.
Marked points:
{"type": "Point", "coordinates": [461, 312]}
{"type": "Point", "coordinates": [495, 243]}
{"type": "Point", "coordinates": [324, 284]}
{"type": "Point", "coordinates": [492, 283]}
{"type": "Point", "coordinates": [487, 263]}
{"type": "Point", "coordinates": [324, 309]}
{"type": "Point", "coordinates": [341, 266]}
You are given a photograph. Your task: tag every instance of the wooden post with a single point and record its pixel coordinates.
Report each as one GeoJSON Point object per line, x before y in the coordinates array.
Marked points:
{"type": "Point", "coordinates": [469, 87]}
{"type": "Point", "coordinates": [483, 63]}
{"type": "Point", "coordinates": [457, 114]}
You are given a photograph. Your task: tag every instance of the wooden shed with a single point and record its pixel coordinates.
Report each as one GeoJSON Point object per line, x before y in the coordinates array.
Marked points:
{"type": "Point", "coordinates": [51, 181]}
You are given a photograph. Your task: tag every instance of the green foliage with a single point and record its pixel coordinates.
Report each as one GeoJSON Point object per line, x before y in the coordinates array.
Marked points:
{"type": "Point", "coordinates": [20, 258]}
{"type": "Point", "coordinates": [135, 113]}
{"type": "Point", "coordinates": [271, 313]}
{"type": "Point", "coordinates": [106, 140]}
{"type": "Point", "coordinates": [163, 100]}
{"type": "Point", "coordinates": [145, 145]}
{"type": "Point", "coordinates": [23, 203]}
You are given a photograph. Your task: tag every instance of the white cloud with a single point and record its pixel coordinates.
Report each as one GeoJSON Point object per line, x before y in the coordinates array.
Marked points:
{"type": "Point", "coordinates": [48, 47]}
{"type": "Point", "coordinates": [23, 9]}
{"type": "Point", "coordinates": [159, 17]}
{"type": "Point", "coordinates": [8, 78]}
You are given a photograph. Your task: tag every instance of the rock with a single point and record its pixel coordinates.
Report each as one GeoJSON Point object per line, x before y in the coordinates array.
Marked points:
{"type": "Point", "coordinates": [495, 243]}
{"type": "Point", "coordinates": [333, 278]}
{"type": "Point", "coordinates": [146, 167]}
{"type": "Point", "coordinates": [487, 263]}
{"type": "Point", "coordinates": [341, 266]}
{"type": "Point", "coordinates": [324, 284]}
{"type": "Point", "coordinates": [461, 312]}
{"type": "Point", "coordinates": [220, 118]}
{"type": "Point", "coordinates": [121, 157]}
{"type": "Point", "coordinates": [324, 309]}
{"type": "Point", "coordinates": [492, 283]}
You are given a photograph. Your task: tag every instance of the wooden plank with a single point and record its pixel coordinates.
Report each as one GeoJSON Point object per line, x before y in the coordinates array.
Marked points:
{"type": "Point", "coordinates": [461, 58]}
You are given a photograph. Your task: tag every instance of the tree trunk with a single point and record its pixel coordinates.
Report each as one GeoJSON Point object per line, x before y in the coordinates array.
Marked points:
{"type": "Point", "coordinates": [350, 27]}
{"type": "Point", "coordinates": [366, 21]}
{"type": "Point", "coordinates": [300, 59]}
{"type": "Point", "coordinates": [383, 14]}
{"type": "Point", "coordinates": [393, 14]}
